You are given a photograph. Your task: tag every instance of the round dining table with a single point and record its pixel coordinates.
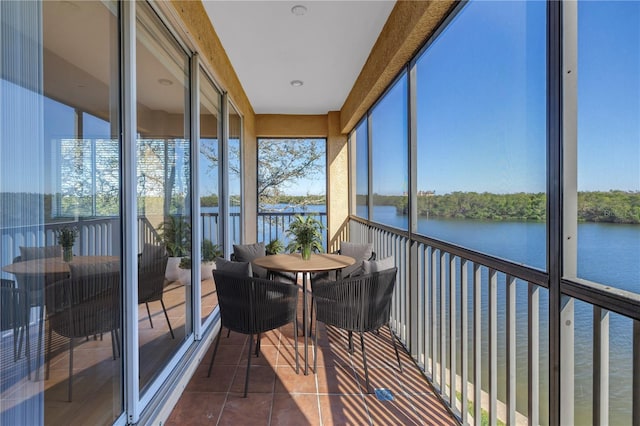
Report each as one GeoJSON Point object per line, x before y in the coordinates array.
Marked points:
{"type": "Point", "coordinates": [34, 273]}
{"type": "Point", "coordinates": [319, 262]}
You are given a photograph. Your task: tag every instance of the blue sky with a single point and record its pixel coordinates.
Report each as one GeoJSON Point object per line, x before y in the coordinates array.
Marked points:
{"type": "Point", "coordinates": [482, 103]}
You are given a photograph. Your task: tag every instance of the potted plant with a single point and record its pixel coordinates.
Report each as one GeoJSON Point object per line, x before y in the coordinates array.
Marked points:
{"type": "Point", "coordinates": [306, 235]}
{"type": "Point", "coordinates": [209, 252]}
{"type": "Point", "coordinates": [175, 233]}
{"type": "Point", "coordinates": [184, 270]}
{"type": "Point", "coordinates": [274, 247]}
{"type": "Point", "coordinates": [66, 238]}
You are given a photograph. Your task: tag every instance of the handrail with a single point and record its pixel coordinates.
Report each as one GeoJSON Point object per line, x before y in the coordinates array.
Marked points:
{"type": "Point", "coordinates": [444, 289]}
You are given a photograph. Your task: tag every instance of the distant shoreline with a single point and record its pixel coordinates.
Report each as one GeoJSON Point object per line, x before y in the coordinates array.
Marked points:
{"type": "Point", "coordinates": [599, 207]}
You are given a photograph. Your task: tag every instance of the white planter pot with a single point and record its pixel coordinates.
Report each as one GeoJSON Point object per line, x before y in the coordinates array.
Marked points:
{"type": "Point", "coordinates": [172, 273]}
{"type": "Point", "coordinates": [205, 270]}
{"type": "Point", "coordinates": [185, 276]}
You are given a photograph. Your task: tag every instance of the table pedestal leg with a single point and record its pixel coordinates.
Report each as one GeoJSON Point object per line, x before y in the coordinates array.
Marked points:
{"type": "Point", "coordinates": [304, 323]}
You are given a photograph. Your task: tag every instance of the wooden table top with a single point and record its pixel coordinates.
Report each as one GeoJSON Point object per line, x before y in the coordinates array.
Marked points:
{"type": "Point", "coordinates": [54, 265]}
{"type": "Point", "coordinates": [293, 262]}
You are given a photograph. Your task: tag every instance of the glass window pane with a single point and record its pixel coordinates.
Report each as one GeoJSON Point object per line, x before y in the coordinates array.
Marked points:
{"type": "Point", "coordinates": [164, 185]}
{"type": "Point", "coordinates": [209, 189]}
{"type": "Point", "coordinates": [360, 138]}
{"type": "Point", "coordinates": [291, 180]}
{"type": "Point", "coordinates": [235, 176]}
{"type": "Point", "coordinates": [389, 151]}
{"type": "Point", "coordinates": [481, 132]}
{"type": "Point", "coordinates": [609, 143]}
{"type": "Point", "coordinates": [608, 180]}
{"type": "Point", "coordinates": [60, 171]}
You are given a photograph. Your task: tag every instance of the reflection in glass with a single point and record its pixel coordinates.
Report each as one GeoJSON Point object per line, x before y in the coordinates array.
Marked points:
{"type": "Point", "coordinates": [609, 143]}
{"type": "Point", "coordinates": [608, 182]}
{"type": "Point", "coordinates": [209, 188]}
{"type": "Point", "coordinates": [389, 151]}
{"type": "Point", "coordinates": [164, 185]}
{"type": "Point", "coordinates": [60, 168]}
{"type": "Point", "coordinates": [481, 132]}
{"type": "Point", "coordinates": [235, 175]}
{"type": "Point", "coordinates": [360, 138]}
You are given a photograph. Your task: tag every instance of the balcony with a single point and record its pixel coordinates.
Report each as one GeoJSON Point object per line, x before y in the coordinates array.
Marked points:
{"type": "Point", "coordinates": [334, 394]}
{"type": "Point", "coordinates": [468, 114]}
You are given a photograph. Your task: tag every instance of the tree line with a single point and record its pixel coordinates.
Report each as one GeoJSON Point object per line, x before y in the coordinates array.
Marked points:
{"type": "Point", "coordinates": [597, 206]}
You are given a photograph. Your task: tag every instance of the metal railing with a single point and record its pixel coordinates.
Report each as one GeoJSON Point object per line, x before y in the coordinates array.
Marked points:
{"type": "Point", "coordinates": [487, 356]}
{"type": "Point", "coordinates": [271, 225]}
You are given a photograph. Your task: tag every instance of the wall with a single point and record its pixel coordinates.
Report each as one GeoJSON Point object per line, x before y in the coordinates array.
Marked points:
{"type": "Point", "coordinates": [195, 22]}
{"type": "Point", "coordinates": [409, 25]}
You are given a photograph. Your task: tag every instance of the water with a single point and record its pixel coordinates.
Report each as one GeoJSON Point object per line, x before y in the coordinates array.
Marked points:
{"type": "Point", "coordinates": [607, 253]}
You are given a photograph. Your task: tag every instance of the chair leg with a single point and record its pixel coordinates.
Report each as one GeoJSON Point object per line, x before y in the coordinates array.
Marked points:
{"type": "Point", "coordinates": [113, 345]}
{"type": "Point", "coordinates": [295, 340]}
{"type": "Point", "coordinates": [228, 333]}
{"type": "Point", "coordinates": [47, 368]}
{"type": "Point", "coordinates": [395, 348]}
{"type": "Point", "coordinates": [27, 349]}
{"type": "Point", "coordinates": [149, 313]}
{"type": "Point", "coordinates": [117, 339]}
{"type": "Point", "coordinates": [350, 342]}
{"type": "Point", "coordinates": [315, 349]}
{"type": "Point", "coordinates": [215, 350]}
{"type": "Point", "coordinates": [258, 345]}
{"type": "Point", "coordinates": [167, 317]}
{"type": "Point", "coordinates": [364, 361]}
{"type": "Point", "coordinates": [70, 366]}
{"type": "Point", "coordinates": [246, 378]}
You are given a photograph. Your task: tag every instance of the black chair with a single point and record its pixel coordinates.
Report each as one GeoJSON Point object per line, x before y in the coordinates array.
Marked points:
{"type": "Point", "coordinates": [253, 306]}
{"type": "Point", "coordinates": [86, 304]}
{"type": "Point", "coordinates": [357, 305]}
{"type": "Point", "coordinates": [151, 284]}
{"type": "Point", "coordinates": [249, 252]}
{"type": "Point", "coordinates": [14, 315]}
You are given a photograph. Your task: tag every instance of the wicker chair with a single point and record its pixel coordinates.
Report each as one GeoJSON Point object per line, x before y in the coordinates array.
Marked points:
{"type": "Point", "coordinates": [358, 304]}
{"type": "Point", "coordinates": [14, 315]}
{"type": "Point", "coordinates": [253, 306]}
{"type": "Point", "coordinates": [87, 303]}
{"type": "Point", "coordinates": [151, 284]}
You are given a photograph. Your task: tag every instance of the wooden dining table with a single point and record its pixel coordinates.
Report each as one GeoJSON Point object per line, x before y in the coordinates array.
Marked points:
{"type": "Point", "coordinates": [31, 275]}
{"type": "Point", "coordinates": [319, 262]}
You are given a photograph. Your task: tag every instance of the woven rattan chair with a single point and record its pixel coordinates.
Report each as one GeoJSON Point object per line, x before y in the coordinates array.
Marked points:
{"type": "Point", "coordinates": [357, 305]}
{"type": "Point", "coordinates": [14, 315]}
{"type": "Point", "coordinates": [253, 306]}
{"type": "Point", "coordinates": [151, 285]}
{"type": "Point", "coordinates": [86, 304]}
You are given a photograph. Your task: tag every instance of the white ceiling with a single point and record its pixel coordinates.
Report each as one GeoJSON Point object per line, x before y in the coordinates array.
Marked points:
{"type": "Point", "coordinates": [326, 48]}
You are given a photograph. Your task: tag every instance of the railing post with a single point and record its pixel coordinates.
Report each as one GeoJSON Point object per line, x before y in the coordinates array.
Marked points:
{"type": "Point", "coordinates": [600, 366]}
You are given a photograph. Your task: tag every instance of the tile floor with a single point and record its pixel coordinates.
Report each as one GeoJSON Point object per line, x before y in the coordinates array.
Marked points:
{"type": "Point", "coordinates": [334, 394]}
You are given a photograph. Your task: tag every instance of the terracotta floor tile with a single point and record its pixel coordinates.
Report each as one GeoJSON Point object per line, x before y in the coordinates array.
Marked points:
{"type": "Point", "coordinates": [197, 408]}
{"type": "Point", "coordinates": [220, 380]}
{"type": "Point", "coordinates": [253, 410]}
{"type": "Point", "coordinates": [337, 380]}
{"type": "Point", "coordinates": [379, 378]}
{"type": "Point", "coordinates": [397, 412]}
{"type": "Point", "coordinates": [261, 379]}
{"type": "Point", "coordinates": [268, 356]}
{"type": "Point", "coordinates": [226, 355]}
{"type": "Point", "coordinates": [430, 410]}
{"type": "Point", "coordinates": [287, 381]}
{"type": "Point", "coordinates": [343, 410]}
{"type": "Point", "coordinates": [295, 410]}
{"type": "Point", "coordinates": [233, 339]}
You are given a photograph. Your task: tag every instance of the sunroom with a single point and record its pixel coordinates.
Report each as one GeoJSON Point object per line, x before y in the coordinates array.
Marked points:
{"type": "Point", "coordinates": [491, 149]}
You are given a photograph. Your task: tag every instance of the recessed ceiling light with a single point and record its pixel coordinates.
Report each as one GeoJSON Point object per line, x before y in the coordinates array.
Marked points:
{"type": "Point", "coordinates": [297, 83]}
{"type": "Point", "coordinates": [298, 10]}
{"type": "Point", "coordinates": [165, 82]}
